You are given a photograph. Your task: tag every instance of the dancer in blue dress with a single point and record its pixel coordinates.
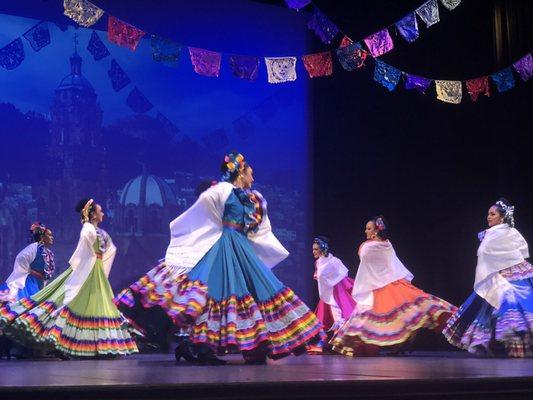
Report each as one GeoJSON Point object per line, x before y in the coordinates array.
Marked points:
{"type": "Point", "coordinates": [497, 319]}
{"type": "Point", "coordinates": [33, 268]}
{"type": "Point", "coordinates": [216, 278]}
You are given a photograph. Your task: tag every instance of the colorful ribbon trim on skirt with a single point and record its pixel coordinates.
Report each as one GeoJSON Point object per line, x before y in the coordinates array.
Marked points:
{"type": "Point", "coordinates": [392, 328]}
{"type": "Point", "coordinates": [481, 329]}
{"type": "Point", "coordinates": [91, 336]}
{"type": "Point", "coordinates": [281, 325]}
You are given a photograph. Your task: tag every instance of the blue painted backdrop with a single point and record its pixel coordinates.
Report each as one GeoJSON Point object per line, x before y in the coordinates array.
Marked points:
{"type": "Point", "coordinates": [62, 142]}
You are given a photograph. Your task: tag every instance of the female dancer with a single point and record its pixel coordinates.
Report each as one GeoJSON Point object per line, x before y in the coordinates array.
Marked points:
{"type": "Point", "coordinates": [497, 319]}
{"type": "Point", "coordinates": [76, 315]}
{"type": "Point", "coordinates": [156, 327]}
{"type": "Point", "coordinates": [334, 288]}
{"type": "Point", "coordinates": [33, 268]}
{"type": "Point", "coordinates": [216, 279]}
{"type": "Point", "coordinates": [389, 309]}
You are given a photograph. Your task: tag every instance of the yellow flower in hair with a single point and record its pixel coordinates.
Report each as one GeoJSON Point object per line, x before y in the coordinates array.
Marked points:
{"type": "Point", "coordinates": [239, 158]}
{"type": "Point", "coordinates": [231, 166]}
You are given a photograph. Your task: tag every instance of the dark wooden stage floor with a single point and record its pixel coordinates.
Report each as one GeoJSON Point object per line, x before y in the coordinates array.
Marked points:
{"type": "Point", "coordinates": [446, 375]}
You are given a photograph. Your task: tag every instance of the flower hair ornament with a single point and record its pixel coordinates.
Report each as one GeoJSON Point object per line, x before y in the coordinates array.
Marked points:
{"type": "Point", "coordinates": [380, 224]}
{"type": "Point", "coordinates": [37, 226]}
{"type": "Point", "coordinates": [508, 213]}
{"type": "Point", "coordinates": [233, 162]}
{"type": "Point", "coordinates": [85, 211]}
{"type": "Point", "coordinates": [323, 245]}
{"type": "Point", "coordinates": [37, 229]}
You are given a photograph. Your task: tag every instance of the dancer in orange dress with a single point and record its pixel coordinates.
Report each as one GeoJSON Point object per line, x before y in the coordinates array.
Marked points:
{"type": "Point", "coordinates": [389, 309]}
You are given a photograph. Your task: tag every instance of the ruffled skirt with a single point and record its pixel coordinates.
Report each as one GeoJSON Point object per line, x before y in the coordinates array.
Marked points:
{"type": "Point", "coordinates": [399, 310]}
{"type": "Point", "coordinates": [508, 331]}
{"type": "Point", "coordinates": [230, 301]}
{"type": "Point", "coordinates": [333, 316]}
{"type": "Point", "coordinates": [90, 325]}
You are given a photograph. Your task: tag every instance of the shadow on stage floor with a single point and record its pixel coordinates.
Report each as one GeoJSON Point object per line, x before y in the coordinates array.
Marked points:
{"type": "Point", "coordinates": [420, 375]}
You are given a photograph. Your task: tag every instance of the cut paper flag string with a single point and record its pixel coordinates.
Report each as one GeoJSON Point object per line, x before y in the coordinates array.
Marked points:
{"type": "Point", "coordinates": [38, 36]}
{"type": "Point", "coordinates": [322, 26]}
{"type": "Point", "coordinates": [419, 83]}
{"type": "Point", "coordinates": [119, 79]}
{"type": "Point", "coordinates": [165, 51]}
{"type": "Point", "coordinates": [386, 75]}
{"type": "Point", "coordinates": [351, 56]}
{"type": "Point", "coordinates": [452, 91]}
{"type": "Point", "coordinates": [205, 62]}
{"type": "Point", "coordinates": [450, 4]}
{"type": "Point", "coordinates": [96, 47]}
{"type": "Point", "coordinates": [123, 34]}
{"type": "Point", "coordinates": [449, 91]}
{"type": "Point", "coordinates": [429, 12]}
{"type": "Point", "coordinates": [281, 69]}
{"type": "Point", "coordinates": [12, 54]}
{"type": "Point", "coordinates": [297, 4]}
{"type": "Point", "coordinates": [408, 27]}
{"type": "Point", "coordinates": [318, 64]}
{"type": "Point", "coordinates": [244, 67]}
{"type": "Point", "coordinates": [379, 43]}
{"type": "Point", "coordinates": [83, 12]}
{"type": "Point", "coordinates": [477, 87]}
{"type": "Point", "coordinates": [503, 79]}
{"type": "Point", "coordinates": [524, 67]}
{"type": "Point", "coordinates": [138, 102]}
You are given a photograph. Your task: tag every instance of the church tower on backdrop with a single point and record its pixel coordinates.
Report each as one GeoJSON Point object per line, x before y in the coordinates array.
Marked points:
{"type": "Point", "coordinates": [77, 167]}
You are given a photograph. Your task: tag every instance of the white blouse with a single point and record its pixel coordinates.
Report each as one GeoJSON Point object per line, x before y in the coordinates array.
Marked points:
{"type": "Point", "coordinates": [379, 266]}
{"type": "Point", "coordinates": [329, 271]}
{"type": "Point", "coordinates": [501, 248]}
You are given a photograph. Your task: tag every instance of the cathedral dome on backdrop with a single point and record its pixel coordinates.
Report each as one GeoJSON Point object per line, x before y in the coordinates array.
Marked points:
{"type": "Point", "coordinates": [147, 190]}
{"type": "Point", "coordinates": [146, 205]}
{"type": "Point", "coordinates": [75, 80]}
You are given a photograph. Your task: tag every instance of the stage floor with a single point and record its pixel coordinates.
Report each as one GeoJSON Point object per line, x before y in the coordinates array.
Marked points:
{"type": "Point", "coordinates": [325, 376]}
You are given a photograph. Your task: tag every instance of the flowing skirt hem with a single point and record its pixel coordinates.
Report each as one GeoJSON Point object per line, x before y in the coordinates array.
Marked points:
{"type": "Point", "coordinates": [393, 328]}
{"type": "Point", "coordinates": [281, 325]}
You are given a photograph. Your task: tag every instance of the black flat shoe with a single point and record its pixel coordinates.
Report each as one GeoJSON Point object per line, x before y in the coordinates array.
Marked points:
{"type": "Point", "coordinates": [183, 350]}
{"type": "Point", "coordinates": [210, 359]}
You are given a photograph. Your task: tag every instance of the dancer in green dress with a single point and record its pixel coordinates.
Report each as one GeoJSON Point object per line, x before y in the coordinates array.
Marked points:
{"type": "Point", "coordinates": [75, 314]}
